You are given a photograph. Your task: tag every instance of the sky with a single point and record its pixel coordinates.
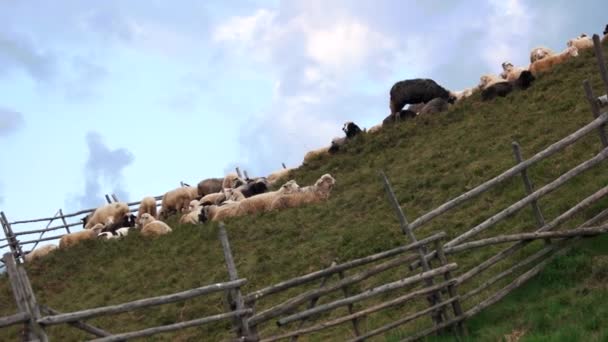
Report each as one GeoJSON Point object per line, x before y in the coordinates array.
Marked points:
{"type": "Point", "coordinates": [132, 97]}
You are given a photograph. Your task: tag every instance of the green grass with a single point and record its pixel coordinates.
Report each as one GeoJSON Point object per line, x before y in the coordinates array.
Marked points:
{"type": "Point", "coordinates": [428, 160]}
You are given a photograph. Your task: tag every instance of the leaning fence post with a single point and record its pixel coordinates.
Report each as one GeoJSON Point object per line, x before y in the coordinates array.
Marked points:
{"type": "Point", "coordinates": [435, 297]}
{"type": "Point", "coordinates": [19, 294]}
{"type": "Point", "coordinates": [64, 221]}
{"type": "Point", "coordinates": [245, 174]}
{"type": "Point", "coordinates": [595, 109]}
{"type": "Point", "coordinates": [34, 309]}
{"type": "Point", "coordinates": [283, 164]}
{"type": "Point", "coordinates": [11, 238]}
{"type": "Point", "coordinates": [243, 324]}
{"type": "Point", "coordinates": [452, 289]}
{"type": "Point", "coordinates": [108, 199]}
{"type": "Point", "coordinates": [355, 321]}
{"type": "Point", "coordinates": [599, 55]}
{"type": "Point", "coordinates": [238, 172]}
{"type": "Point", "coordinates": [115, 198]}
{"type": "Point", "coordinates": [538, 215]}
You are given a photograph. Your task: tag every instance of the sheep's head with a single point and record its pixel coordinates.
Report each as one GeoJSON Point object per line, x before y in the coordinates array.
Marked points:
{"type": "Point", "coordinates": [193, 205]}
{"type": "Point", "coordinates": [325, 183]}
{"type": "Point", "coordinates": [351, 129]}
{"type": "Point", "coordinates": [572, 51]}
{"type": "Point", "coordinates": [145, 219]}
{"type": "Point", "coordinates": [582, 35]}
{"type": "Point", "coordinates": [484, 80]}
{"type": "Point", "coordinates": [507, 66]}
{"type": "Point", "coordinates": [86, 219]}
{"type": "Point", "coordinates": [289, 187]}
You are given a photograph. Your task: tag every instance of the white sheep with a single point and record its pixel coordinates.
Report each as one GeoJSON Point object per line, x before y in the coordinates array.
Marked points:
{"type": "Point", "coordinates": [120, 232]}
{"type": "Point", "coordinates": [310, 194]}
{"type": "Point", "coordinates": [277, 175]}
{"type": "Point", "coordinates": [108, 214]}
{"type": "Point", "coordinates": [232, 181]}
{"type": "Point", "coordinates": [549, 62]}
{"type": "Point", "coordinates": [193, 215]}
{"type": "Point", "coordinates": [310, 155]}
{"type": "Point", "coordinates": [72, 239]}
{"type": "Point", "coordinates": [147, 205]}
{"type": "Point", "coordinates": [581, 42]}
{"type": "Point", "coordinates": [39, 252]}
{"type": "Point", "coordinates": [375, 128]}
{"type": "Point", "coordinates": [464, 93]}
{"type": "Point", "coordinates": [539, 53]}
{"type": "Point", "coordinates": [153, 227]}
{"type": "Point", "coordinates": [177, 200]}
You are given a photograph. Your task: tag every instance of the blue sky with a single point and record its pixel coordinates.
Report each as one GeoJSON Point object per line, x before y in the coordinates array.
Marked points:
{"type": "Point", "coordinates": [133, 97]}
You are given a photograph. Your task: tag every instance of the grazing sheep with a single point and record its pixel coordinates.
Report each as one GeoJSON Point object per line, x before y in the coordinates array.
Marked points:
{"type": "Point", "coordinates": [399, 116]}
{"type": "Point", "coordinates": [310, 155]}
{"type": "Point", "coordinates": [277, 175]}
{"type": "Point", "coordinates": [311, 194]}
{"type": "Point", "coordinates": [351, 129]}
{"type": "Point", "coordinates": [581, 42]}
{"type": "Point", "coordinates": [147, 205]}
{"type": "Point", "coordinates": [39, 252]}
{"type": "Point", "coordinates": [107, 214]}
{"type": "Point", "coordinates": [436, 105]}
{"type": "Point", "coordinates": [209, 186]}
{"type": "Point", "coordinates": [232, 181]}
{"type": "Point", "coordinates": [520, 77]}
{"type": "Point", "coordinates": [176, 201]}
{"type": "Point", "coordinates": [153, 227]}
{"type": "Point", "coordinates": [72, 239]}
{"type": "Point", "coordinates": [492, 86]}
{"type": "Point", "coordinates": [539, 53]}
{"type": "Point", "coordinates": [416, 91]}
{"type": "Point", "coordinates": [549, 62]}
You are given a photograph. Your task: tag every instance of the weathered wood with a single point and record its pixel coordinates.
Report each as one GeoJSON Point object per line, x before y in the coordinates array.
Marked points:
{"type": "Point", "coordinates": [34, 310]}
{"type": "Point", "coordinates": [77, 324]}
{"type": "Point", "coordinates": [283, 164]}
{"type": "Point", "coordinates": [601, 62]}
{"type": "Point", "coordinates": [405, 228]}
{"type": "Point", "coordinates": [243, 324]}
{"type": "Point", "coordinates": [65, 223]}
{"type": "Point", "coordinates": [595, 109]}
{"type": "Point", "coordinates": [312, 304]}
{"type": "Point", "coordinates": [538, 215]}
{"type": "Point", "coordinates": [12, 241]}
{"type": "Point", "coordinates": [42, 233]}
{"type": "Point", "coordinates": [363, 313]}
{"type": "Point", "coordinates": [245, 174]}
{"type": "Point", "coordinates": [515, 284]}
{"type": "Point", "coordinates": [452, 289]}
{"type": "Point", "coordinates": [355, 322]}
{"type": "Point", "coordinates": [108, 199]}
{"type": "Point", "coordinates": [137, 304]}
{"type": "Point", "coordinates": [19, 294]}
{"type": "Point", "coordinates": [238, 172]}
{"type": "Point", "coordinates": [431, 330]}
{"type": "Point", "coordinates": [528, 236]}
{"type": "Point", "coordinates": [338, 268]}
{"type": "Point", "coordinates": [369, 293]}
{"type": "Point", "coordinates": [172, 327]}
{"type": "Point", "coordinates": [21, 317]}
{"type": "Point", "coordinates": [50, 229]}
{"type": "Point", "coordinates": [534, 196]}
{"type": "Point", "coordinates": [294, 302]}
{"type": "Point", "coordinates": [405, 320]}
{"type": "Point", "coordinates": [547, 152]}
{"type": "Point", "coordinates": [530, 259]}
{"type": "Point", "coordinates": [115, 198]}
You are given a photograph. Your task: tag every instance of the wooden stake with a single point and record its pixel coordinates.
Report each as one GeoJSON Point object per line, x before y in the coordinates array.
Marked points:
{"type": "Point", "coordinates": [601, 62]}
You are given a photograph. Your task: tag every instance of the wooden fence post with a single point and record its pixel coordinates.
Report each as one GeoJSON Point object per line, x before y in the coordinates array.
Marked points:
{"type": "Point", "coordinates": [245, 174]}
{"type": "Point", "coordinates": [601, 62]}
{"type": "Point", "coordinates": [538, 215]}
{"type": "Point", "coordinates": [11, 238]}
{"type": "Point", "coordinates": [65, 223]}
{"type": "Point", "coordinates": [47, 226]}
{"type": "Point", "coordinates": [355, 321]}
{"type": "Point", "coordinates": [34, 309]}
{"type": "Point", "coordinates": [108, 199]}
{"type": "Point", "coordinates": [283, 164]}
{"type": "Point", "coordinates": [595, 109]}
{"type": "Point", "coordinates": [452, 289]}
{"type": "Point", "coordinates": [20, 296]}
{"type": "Point", "coordinates": [243, 322]}
{"type": "Point", "coordinates": [435, 297]}
{"type": "Point", "coordinates": [238, 172]}
{"type": "Point", "coordinates": [115, 198]}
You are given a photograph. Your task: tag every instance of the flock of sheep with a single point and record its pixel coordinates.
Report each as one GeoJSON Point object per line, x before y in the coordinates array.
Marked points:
{"type": "Point", "coordinates": [216, 199]}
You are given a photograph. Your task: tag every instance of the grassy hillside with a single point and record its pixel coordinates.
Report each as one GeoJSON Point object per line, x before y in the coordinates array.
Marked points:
{"type": "Point", "coordinates": [428, 160]}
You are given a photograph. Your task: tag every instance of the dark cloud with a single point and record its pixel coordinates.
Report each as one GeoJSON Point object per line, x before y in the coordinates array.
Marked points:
{"type": "Point", "coordinates": [10, 121]}
{"type": "Point", "coordinates": [103, 172]}
{"type": "Point", "coordinates": [19, 52]}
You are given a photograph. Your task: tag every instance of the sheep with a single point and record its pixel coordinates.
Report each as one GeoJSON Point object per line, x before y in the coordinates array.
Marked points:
{"type": "Point", "coordinates": [72, 239]}
{"type": "Point", "coordinates": [39, 252]}
{"type": "Point", "coordinates": [602, 101]}
{"type": "Point", "coordinates": [416, 91]}
{"type": "Point", "coordinates": [193, 215]}
{"type": "Point", "coordinates": [581, 42]}
{"type": "Point", "coordinates": [253, 187]}
{"type": "Point", "coordinates": [128, 221]}
{"type": "Point", "coordinates": [416, 107]}
{"type": "Point", "coordinates": [310, 155]}
{"type": "Point", "coordinates": [209, 186]}
{"type": "Point", "coordinates": [520, 77]}
{"type": "Point", "coordinates": [311, 194]}
{"type": "Point", "coordinates": [277, 175]}
{"type": "Point", "coordinates": [375, 128]}
{"type": "Point", "coordinates": [118, 233]}
{"type": "Point", "coordinates": [549, 62]}
{"type": "Point", "coordinates": [215, 198]}
{"type": "Point", "coordinates": [147, 205]}
{"type": "Point", "coordinates": [436, 105]}
{"type": "Point", "coordinates": [463, 94]}
{"type": "Point", "coordinates": [232, 181]}
{"type": "Point", "coordinates": [539, 53]}
{"type": "Point", "coordinates": [399, 116]}
{"type": "Point", "coordinates": [336, 144]}
{"type": "Point", "coordinates": [351, 129]}
{"type": "Point", "coordinates": [605, 37]}
{"type": "Point", "coordinates": [86, 219]}
{"type": "Point", "coordinates": [153, 227]}
{"type": "Point", "coordinates": [176, 200]}
{"type": "Point", "coordinates": [107, 214]}
{"type": "Point", "coordinates": [492, 86]}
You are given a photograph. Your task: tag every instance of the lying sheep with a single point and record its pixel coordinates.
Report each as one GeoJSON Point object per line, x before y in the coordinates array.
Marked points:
{"type": "Point", "coordinates": [147, 205]}
{"type": "Point", "coordinates": [107, 214]}
{"type": "Point", "coordinates": [153, 227]}
{"type": "Point", "coordinates": [416, 91]}
{"type": "Point", "coordinates": [336, 144]}
{"type": "Point", "coordinates": [492, 86]}
{"type": "Point", "coordinates": [127, 221]}
{"type": "Point", "coordinates": [72, 239]}
{"type": "Point", "coordinates": [399, 116]}
{"type": "Point", "coordinates": [253, 187]}
{"type": "Point", "coordinates": [311, 194]}
{"type": "Point", "coordinates": [209, 186]}
{"type": "Point", "coordinates": [436, 105]}
{"type": "Point", "coordinates": [581, 42]}
{"type": "Point", "coordinates": [375, 128]}
{"type": "Point", "coordinates": [351, 129]}
{"type": "Point", "coordinates": [463, 94]}
{"type": "Point", "coordinates": [520, 77]}
{"type": "Point", "coordinates": [192, 216]}
{"type": "Point", "coordinates": [539, 53]}
{"type": "Point", "coordinates": [118, 233]}
{"type": "Point", "coordinates": [176, 201]}
{"type": "Point", "coordinates": [277, 175]}
{"type": "Point", "coordinates": [39, 252]}
{"type": "Point", "coordinates": [416, 107]}
{"type": "Point", "coordinates": [232, 181]}
{"type": "Point", "coordinates": [549, 62]}
{"type": "Point", "coordinates": [310, 155]}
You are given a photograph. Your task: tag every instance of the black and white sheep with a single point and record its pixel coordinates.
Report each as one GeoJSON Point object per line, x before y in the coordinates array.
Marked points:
{"type": "Point", "coordinates": [107, 214]}
{"type": "Point", "coordinates": [416, 91]}
{"type": "Point", "coordinates": [520, 77]}
{"type": "Point", "coordinates": [492, 86]}
{"type": "Point", "coordinates": [351, 129]}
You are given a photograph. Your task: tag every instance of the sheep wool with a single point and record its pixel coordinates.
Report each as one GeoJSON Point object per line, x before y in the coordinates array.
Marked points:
{"type": "Point", "coordinates": [539, 53]}
{"type": "Point", "coordinates": [416, 91]}
{"type": "Point", "coordinates": [73, 239]}
{"type": "Point", "coordinates": [209, 186]}
{"type": "Point", "coordinates": [278, 175]}
{"type": "Point", "coordinates": [177, 200]}
{"type": "Point", "coordinates": [311, 155]}
{"type": "Point", "coordinates": [40, 252]}
{"type": "Point", "coordinates": [311, 194]}
{"type": "Point", "coordinates": [581, 42]}
{"type": "Point", "coordinates": [549, 62]}
{"type": "Point", "coordinates": [108, 214]}
{"type": "Point", "coordinates": [153, 227]}
{"type": "Point", "coordinates": [147, 205]}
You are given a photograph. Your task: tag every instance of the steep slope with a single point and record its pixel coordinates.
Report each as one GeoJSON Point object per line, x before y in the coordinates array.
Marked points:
{"type": "Point", "coordinates": [429, 160]}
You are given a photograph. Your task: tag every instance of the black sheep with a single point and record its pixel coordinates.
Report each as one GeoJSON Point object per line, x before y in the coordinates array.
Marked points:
{"type": "Point", "coordinates": [254, 187]}
{"type": "Point", "coordinates": [351, 129]}
{"type": "Point", "coordinates": [399, 116]}
{"type": "Point", "coordinates": [606, 30]}
{"type": "Point", "coordinates": [525, 80]}
{"type": "Point", "coordinates": [497, 89]}
{"type": "Point", "coordinates": [416, 91]}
